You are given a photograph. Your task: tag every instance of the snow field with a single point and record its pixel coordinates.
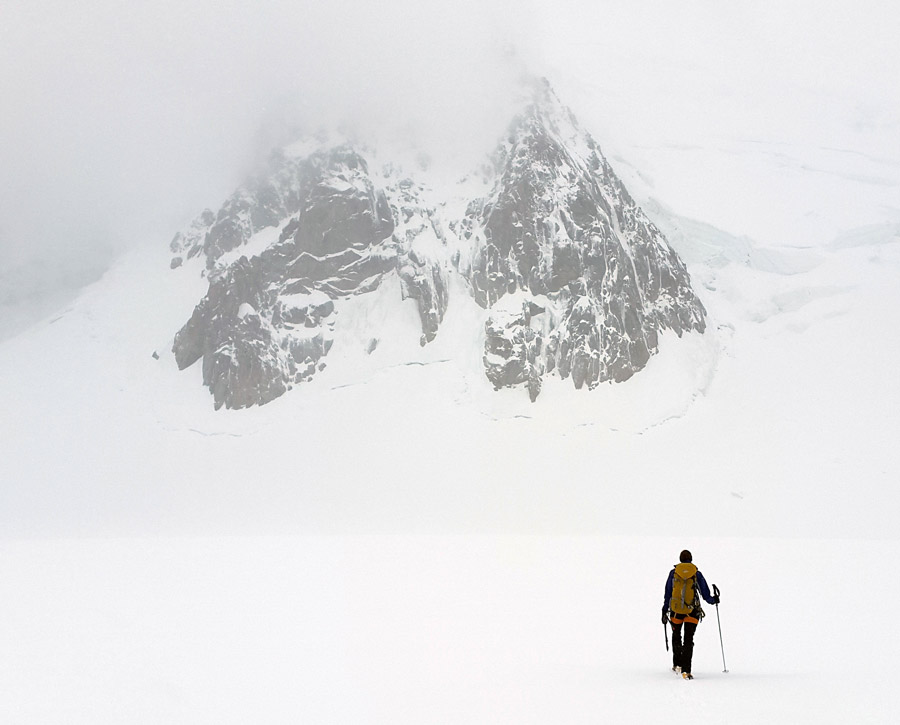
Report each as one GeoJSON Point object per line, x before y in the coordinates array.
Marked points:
{"type": "Point", "coordinates": [439, 629]}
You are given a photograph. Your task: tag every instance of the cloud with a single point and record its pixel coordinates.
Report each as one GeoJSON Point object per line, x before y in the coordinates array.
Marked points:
{"type": "Point", "coordinates": [122, 120]}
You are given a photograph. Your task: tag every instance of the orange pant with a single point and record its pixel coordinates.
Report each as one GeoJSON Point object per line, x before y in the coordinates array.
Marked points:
{"type": "Point", "coordinates": [679, 618]}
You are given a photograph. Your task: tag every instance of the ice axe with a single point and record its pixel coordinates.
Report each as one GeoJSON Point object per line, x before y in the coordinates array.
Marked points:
{"type": "Point", "coordinates": [719, 621]}
{"type": "Point", "coordinates": [665, 623]}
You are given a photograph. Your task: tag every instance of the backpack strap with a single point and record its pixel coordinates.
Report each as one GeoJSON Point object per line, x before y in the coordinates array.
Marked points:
{"type": "Point", "coordinates": [698, 607]}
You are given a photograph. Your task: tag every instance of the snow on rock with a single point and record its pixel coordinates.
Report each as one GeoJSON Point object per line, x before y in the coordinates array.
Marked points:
{"type": "Point", "coordinates": [189, 243]}
{"type": "Point", "coordinates": [245, 309]}
{"type": "Point", "coordinates": [591, 281]}
{"type": "Point", "coordinates": [334, 247]}
{"type": "Point", "coordinates": [512, 346]}
{"type": "Point", "coordinates": [558, 223]}
{"type": "Point", "coordinates": [422, 243]}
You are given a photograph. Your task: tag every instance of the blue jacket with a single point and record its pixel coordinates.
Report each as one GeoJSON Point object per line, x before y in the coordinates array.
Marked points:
{"type": "Point", "coordinates": [701, 585]}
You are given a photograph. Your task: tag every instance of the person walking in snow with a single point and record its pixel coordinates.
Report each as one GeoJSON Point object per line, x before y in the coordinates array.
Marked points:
{"type": "Point", "coordinates": [681, 608]}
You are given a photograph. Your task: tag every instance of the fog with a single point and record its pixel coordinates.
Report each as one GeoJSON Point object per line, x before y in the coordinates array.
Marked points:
{"type": "Point", "coordinates": [120, 121]}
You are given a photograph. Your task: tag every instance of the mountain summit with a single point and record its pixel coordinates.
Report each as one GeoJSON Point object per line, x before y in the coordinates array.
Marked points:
{"type": "Point", "coordinates": [573, 278]}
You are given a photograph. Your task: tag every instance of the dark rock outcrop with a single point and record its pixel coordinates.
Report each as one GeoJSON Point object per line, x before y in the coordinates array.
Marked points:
{"type": "Point", "coordinates": [264, 323]}
{"type": "Point", "coordinates": [421, 241]}
{"type": "Point", "coordinates": [574, 278]}
{"type": "Point", "coordinates": [513, 349]}
{"type": "Point", "coordinates": [560, 229]}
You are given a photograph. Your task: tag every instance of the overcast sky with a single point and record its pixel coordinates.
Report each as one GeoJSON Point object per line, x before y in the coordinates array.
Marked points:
{"type": "Point", "coordinates": [122, 120]}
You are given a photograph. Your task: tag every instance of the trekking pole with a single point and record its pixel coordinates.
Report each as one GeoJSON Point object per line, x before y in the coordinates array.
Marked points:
{"type": "Point", "coordinates": [719, 621]}
{"type": "Point", "coordinates": [666, 635]}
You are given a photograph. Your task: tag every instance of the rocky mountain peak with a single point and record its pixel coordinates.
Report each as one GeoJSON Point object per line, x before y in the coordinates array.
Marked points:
{"type": "Point", "coordinates": [574, 279]}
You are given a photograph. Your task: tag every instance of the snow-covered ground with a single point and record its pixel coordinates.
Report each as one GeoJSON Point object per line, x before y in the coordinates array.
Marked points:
{"type": "Point", "coordinates": [441, 629]}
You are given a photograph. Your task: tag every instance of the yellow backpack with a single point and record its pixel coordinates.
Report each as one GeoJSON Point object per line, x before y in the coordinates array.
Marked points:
{"type": "Point", "coordinates": [684, 591]}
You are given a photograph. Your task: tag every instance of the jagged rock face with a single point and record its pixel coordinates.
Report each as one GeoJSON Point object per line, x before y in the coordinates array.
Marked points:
{"type": "Point", "coordinates": [264, 201]}
{"type": "Point", "coordinates": [575, 280]}
{"type": "Point", "coordinates": [560, 229]}
{"type": "Point", "coordinates": [512, 348]}
{"type": "Point", "coordinates": [422, 276]}
{"type": "Point", "coordinates": [266, 321]}
{"type": "Point", "coordinates": [264, 325]}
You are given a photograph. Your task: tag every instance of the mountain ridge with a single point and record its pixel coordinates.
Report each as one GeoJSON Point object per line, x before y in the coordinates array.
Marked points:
{"type": "Point", "coordinates": [574, 278]}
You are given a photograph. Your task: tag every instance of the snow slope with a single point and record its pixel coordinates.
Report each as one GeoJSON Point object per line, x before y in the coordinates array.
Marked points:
{"type": "Point", "coordinates": [780, 421]}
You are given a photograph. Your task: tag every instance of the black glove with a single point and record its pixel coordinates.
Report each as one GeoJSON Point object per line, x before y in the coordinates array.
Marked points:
{"type": "Point", "coordinates": [665, 617]}
{"type": "Point", "coordinates": [715, 599]}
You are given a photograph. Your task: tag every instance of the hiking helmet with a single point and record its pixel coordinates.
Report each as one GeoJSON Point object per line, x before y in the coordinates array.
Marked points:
{"type": "Point", "coordinates": [685, 557]}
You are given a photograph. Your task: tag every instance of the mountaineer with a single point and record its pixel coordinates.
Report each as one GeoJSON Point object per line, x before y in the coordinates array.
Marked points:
{"type": "Point", "coordinates": [681, 608]}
